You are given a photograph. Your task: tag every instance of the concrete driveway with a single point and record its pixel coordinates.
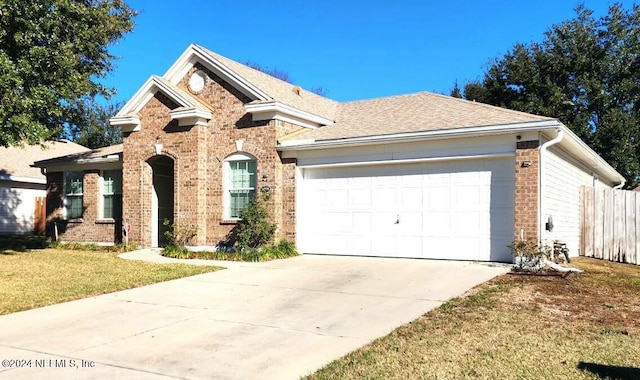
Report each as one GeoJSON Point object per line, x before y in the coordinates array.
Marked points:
{"type": "Point", "coordinates": [276, 320]}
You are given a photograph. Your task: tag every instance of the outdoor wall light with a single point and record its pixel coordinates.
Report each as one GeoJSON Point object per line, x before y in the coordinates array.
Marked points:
{"type": "Point", "coordinates": [525, 163]}
{"type": "Point", "coordinates": [157, 147]}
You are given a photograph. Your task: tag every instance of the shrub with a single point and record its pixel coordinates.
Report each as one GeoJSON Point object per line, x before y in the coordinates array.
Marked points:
{"type": "Point", "coordinates": [178, 236]}
{"type": "Point", "coordinates": [529, 255]}
{"type": "Point", "coordinates": [254, 228]}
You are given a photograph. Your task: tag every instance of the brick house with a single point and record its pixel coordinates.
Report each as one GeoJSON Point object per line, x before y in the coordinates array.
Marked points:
{"type": "Point", "coordinates": [419, 175]}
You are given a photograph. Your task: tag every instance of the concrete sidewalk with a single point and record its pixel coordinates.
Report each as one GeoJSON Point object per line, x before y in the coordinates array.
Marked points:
{"type": "Point", "coordinates": [276, 320]}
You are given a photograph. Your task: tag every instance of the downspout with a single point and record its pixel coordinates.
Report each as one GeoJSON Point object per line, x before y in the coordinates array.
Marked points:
{"type": "Point", "coordinates": [618, 187]}
{"type": "Point", "coordinates": [543, 148]}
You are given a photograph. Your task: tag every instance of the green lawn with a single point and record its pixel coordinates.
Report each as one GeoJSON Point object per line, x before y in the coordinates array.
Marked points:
{"type": "Point", "coordinates": [40, 277]}
{"type": "Point", "coordinates": [586, 326]}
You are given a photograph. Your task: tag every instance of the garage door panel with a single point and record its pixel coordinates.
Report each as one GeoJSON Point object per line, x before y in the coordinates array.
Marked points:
{"type": "Point", "coordinates": [361, 223]}
{"type": "Point", "coordinates": [437, 198]}
{"type": "Point", "coordinates": [384, 198]}
{"type": "Point", "coordinates": [337, 199]}
{"type": "Point", "coordinates": [410, 198]}
{"type": "Point", "coordinates": [437, 223]}
{"type": "Point", "coordinates": [448, 210]}
{"type": "Point", "coordinates": [360, 198]}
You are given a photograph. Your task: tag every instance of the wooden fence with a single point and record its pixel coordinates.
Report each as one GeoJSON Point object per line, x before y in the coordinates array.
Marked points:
{"type": "Point", "coordinates": [610, 225]}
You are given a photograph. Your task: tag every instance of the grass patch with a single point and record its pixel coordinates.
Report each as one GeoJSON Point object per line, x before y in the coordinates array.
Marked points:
{"type": "Point", "coordinates": [43, 277]}
{"type": "Point", "coordinates": [516, 327]}
{"type": "Point", "coordinates": [281, 250]}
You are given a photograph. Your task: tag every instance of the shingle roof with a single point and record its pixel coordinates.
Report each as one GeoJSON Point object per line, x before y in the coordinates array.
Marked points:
{"type": "Point", "coordinates": [280, 90]}
{"type": "Point", "coordinates": [16, 161]}
{"type": "Point", "coordinates": [417, 112]}
{"type": "Point", "coordinates": [85, 155]}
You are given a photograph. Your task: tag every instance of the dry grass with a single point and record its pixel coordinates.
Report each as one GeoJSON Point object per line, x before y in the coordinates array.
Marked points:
{"type": "Point", "coordinates": [43, 277]}
{"type": "Point", "coordinates": [584, 326]}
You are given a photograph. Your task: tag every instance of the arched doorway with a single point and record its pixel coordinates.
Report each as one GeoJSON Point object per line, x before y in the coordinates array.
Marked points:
{"type": "Point", "coordinates": [161, 198]}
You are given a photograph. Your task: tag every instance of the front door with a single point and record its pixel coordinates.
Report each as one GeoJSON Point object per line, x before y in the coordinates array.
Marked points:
{"type": "Point", "coordinates": [162, 194]}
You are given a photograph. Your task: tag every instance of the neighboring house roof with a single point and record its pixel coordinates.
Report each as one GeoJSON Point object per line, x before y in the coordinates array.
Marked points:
{"type": "Point", "coordinates": [15, 161]}
{"type": "Point", "coordinates": [111, 153]}
{"type": "Point", "coordinates": [417, 112]}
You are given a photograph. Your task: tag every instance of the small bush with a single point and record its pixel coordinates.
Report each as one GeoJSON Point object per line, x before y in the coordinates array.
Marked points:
{"type": "Point", "coordinates": [178, 235]}
{"type": "Point", "coordinates": [529, 255]}
{"type": "Point", "coordinates": [254, 228]}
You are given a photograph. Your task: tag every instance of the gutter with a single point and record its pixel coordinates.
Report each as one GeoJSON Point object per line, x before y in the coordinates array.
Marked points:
{"type": "Point", "coordinates": [409, 136]}
{"type": "Point", "coordinates": [41, 181]}
{"type": "Point", "coordinates": [542, 150]}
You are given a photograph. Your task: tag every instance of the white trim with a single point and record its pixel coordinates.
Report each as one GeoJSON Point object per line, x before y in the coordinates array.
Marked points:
{"type": "Point", "coordinates": [408, 136]}
{"type": "Point", "coordinates": [128, 123]}
{"type": "Point", "coordinates": [226, 175]}
{"type": "Point", "coordinates": [195, 53]}
{"type": "Point", "coordinates": [407, 161]}
{"type": "Point", "coordinates": [278, 111]}
{"type": "Point", "coordinates": [4, 177]}
{"type": "Point", "coordinates": [190, 116]}
{"type": "Point", "coordinates": [571, 142]}
{"type": "Point", "coordinates": [100, 210]}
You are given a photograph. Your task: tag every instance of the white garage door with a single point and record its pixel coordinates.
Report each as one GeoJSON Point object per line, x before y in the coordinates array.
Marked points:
{"type": "Point", "coordinates": [460, 210]}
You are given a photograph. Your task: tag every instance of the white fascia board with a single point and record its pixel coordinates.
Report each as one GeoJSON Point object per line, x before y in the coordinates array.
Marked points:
{"type": "Point", "coordinates": [147, 91]}
{"type": "Point", "coordinates": [127, 123]}
{"type": "Point", "coordinates": [100, 163]}
{"type": "Point", "coordinates": [136, 99]}
{"type": "Point", "coordinates": [191, 116]}
{"type": "Point", "coordinates": [580, 149]}
{"type": "Point", "coordinates": [195, 54]}
{"type": "Point", "coordinates": [41, 181]}
{"type": "Point", "coordinates": [279, 111]}
{"type": "Point", "coordinates": [424, 135]}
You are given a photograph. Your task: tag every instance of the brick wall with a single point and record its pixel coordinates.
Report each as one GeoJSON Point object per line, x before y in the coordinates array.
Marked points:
{"type": "Point", "coordinates": [527, 187]}
{"type": "Point", "coordinates": [199, 154]}
{"type": "Point", "coordinates": [88, 229]}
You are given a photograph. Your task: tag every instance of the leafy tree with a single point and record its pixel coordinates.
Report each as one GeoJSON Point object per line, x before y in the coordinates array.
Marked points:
{"type": "Point", "coordinates": [52, 52]}
{"type": "Point", "coordinates": [92, 128]}
{"type": "Point", "coordinates": [586, 73]}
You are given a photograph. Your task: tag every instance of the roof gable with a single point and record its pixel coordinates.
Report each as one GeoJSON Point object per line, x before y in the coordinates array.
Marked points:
{"type": "Point", "coordinates": [261, 88]}
{"type": "Point", "coordinates": [190, 110]}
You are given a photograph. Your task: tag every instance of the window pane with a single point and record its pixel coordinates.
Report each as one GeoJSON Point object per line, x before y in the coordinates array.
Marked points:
{"type": "Point", "coordinates": [73, 182]}
{"type": "Point", "coordinates": [112, 182]}
{"type": "Point", "coordinates": [74, 206]}
{"type": "Point", "coordinates": [73, 194]}
{"type": "Point", "coordinates": [107, 212]}
{"type": "Point", "coordinates": [242, 184]}
{"type": "Point", "coordinates": [111, 194]}
{"type": "Point", "coordinates": [239, 201]}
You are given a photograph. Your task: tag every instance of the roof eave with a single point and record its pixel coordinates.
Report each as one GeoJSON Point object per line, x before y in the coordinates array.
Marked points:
{"type": "Point", "coordinates": [128, 123]}
{"type": "Point", "coordinates": [40, 181]}
{"type": "Point", "coordinates": [278, 111]}
{"type": "Point", "coordinates": [191, 116]}
{"type": "Point", "coordinates": [579, 148]}
{"type": "Point", "coordinates": [307, 144]}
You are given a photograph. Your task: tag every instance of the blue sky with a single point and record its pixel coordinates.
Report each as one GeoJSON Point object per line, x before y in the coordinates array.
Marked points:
{"type": "Point", "coordinates": [353, 49]}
